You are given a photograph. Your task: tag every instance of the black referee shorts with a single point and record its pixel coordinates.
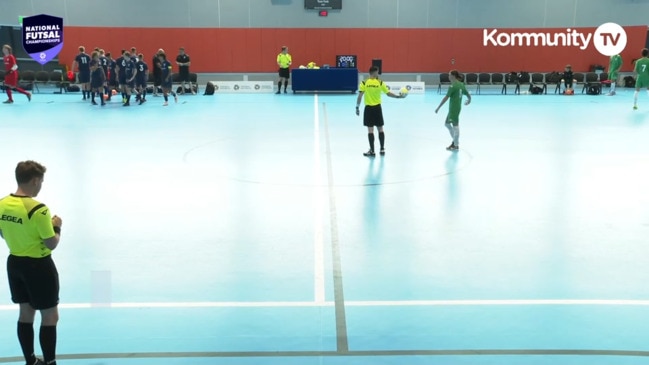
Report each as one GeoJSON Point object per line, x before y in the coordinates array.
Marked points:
{"type": "Point", "coordinates": [33, 281]}
{"type": "Point", "coordinates": [285, 73]}
{"type": "Point", "coordinates": [373, 116]}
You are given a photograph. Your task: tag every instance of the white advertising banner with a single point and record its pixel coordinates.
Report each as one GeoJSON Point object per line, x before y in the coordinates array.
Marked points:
{"type": "Point", "coordinates": [414, 87]}
{"type": "Point", "coordinates": [243, 87]}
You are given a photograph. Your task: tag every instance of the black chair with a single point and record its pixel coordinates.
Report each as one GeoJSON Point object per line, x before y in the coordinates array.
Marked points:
{"type": "Point", "coordinates": [522, 78]}
{"type": "Point", "coordinates": [483, 79]}
{"type": "Point", "coordinates": [578, 79]}
{"type": "Point", "coordinates": [27, 79]}
{"type": "Point", "coordinates": [42, 77]}
{"type": "Point", "coordinates": [499, 79]}
{"type": "Point", "coordinates": [471, 79]}
{"type": "Point", "coordinates": [510, 78]}
{"type": "Point", "coordinates": [57, 77]}
{"type": "Point", "coordinates": [591, 79]}
{"type": "Point", "coordinates": [553, 78]}
{"type": "Point", "coordinates": [443, 80]}
{"type": "Point", "coordinates": [539, 79]}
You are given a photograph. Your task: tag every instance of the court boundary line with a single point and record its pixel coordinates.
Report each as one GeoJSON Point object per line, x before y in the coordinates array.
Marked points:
{"type": "Point", "coordinates": [318, 206]}
{"type": "Point", "coordinates": [352, 353]}
{"type": "Point", "coordinates": [342, 343]}
{"type": "Point", "coordinates": [358, 303]}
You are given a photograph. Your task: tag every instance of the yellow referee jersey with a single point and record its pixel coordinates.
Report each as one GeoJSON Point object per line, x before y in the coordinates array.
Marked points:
{"type": "Point", "coordinates": [372, 89]}
{"type": "Point", "coordinates": [25, 223]}
{"type": "Point", "coordinates": [284, 60]}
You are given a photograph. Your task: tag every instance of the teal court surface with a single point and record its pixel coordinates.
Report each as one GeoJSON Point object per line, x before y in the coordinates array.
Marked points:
{"type": "Point", "coordinates": [250, 229]}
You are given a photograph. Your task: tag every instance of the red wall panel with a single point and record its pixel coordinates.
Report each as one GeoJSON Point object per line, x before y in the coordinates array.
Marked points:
{"type": "Point", "coordinates": [402, 50]}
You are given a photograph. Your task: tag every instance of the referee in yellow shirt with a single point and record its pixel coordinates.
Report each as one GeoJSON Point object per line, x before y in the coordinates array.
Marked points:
{"type": "Point", "coordinates": [284, 61]}
{"type": "Point", "coordinates": [371, 89]}
{"type": "Point", "coordinates": [31, 234]}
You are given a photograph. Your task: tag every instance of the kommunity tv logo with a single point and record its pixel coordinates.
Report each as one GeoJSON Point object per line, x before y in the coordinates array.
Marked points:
{"type": "Point", "coordinates": [609, 39]}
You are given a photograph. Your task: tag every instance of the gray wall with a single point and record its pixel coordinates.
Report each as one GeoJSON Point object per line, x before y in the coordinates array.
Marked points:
{"type": "Point", "coordinates": [355, 13]}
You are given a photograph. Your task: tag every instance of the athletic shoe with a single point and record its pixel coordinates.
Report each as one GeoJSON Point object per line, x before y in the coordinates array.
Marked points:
{"type": "Point", "coordinates": [451, 146]}
{"type": "Point", "coordinates": [278, 92]}
{"type": "Point", "coordinates": [37, 362]}
{"type": "Point", "coordinates": [127, 104]}
{"type": "Point", "coordinates": [8, 102]}
{"type": "Point", "coordinates": [29, 96]}
{"type": "Point", "coordinates": [284, 91]}
{"type": "Point", "coordinates": [369, 153]}
{"type": "Point", "coordinates": [93, 102]}
{"type": "Point", "coordinates": [103, 104]}
{"type": "Point", "coordinates": [635, 107]}
{"type": "Point", "coordinates": [175, 98]}
{"type": "Point", "coordinates": [611, 93]}
{"type": "Point", "coordinates": [142, 101]}
{"type": "Point", "coordinates": [165, 104]}
{"type": "Point", "coordinates": [382, 152]}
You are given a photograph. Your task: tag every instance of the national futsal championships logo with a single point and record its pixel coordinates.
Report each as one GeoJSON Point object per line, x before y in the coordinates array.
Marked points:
{"type": "Point", "coordinates": [609, 39]}
{"type": "Point", "coordinates": [42, 37]}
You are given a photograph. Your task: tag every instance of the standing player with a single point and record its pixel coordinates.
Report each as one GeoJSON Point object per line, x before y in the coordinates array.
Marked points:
{"type": "Point", "coordinates": [97, 79]}
{"type": "Point", "coordinates": [111, 75]}
{"type": "Point", "coordinates": [11, 75]}
{"type": "Point", "coordinates": [614, 65]}
{"type": "Point", "coordinates": [83, 62]}
{"type": "Point", "coordinates": [141, 78]}
{"type": "Point", "coordinates": [157, 72]}
{"type": "Point", "coordinates": [183, 62]}
{"type": "Point", "coordinates": [31, 234]}
{"type": "Point", "coordinates": [455, 92]}
{"type": "Point", "coordinates": [103, 61]}
{"type": "Point", "coordinates": [284, 61]}
{"type": "Point", "coordinates": [371, 90]}
{"type": "Point", "coordinates": [129, 73]}
{"type": "Point", "coordinates": [642, 76]}
{"type": "Point", "coordinates": [166, 68]}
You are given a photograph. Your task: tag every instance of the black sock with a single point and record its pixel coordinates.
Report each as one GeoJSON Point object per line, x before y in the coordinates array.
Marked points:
{"type": "Point", "coordinates": [93, 96]}
{"type": "Point", "coordinates": [128, 99]}
{"type": "Point", "coordinates": [26, 339]}
{"type": "Point", "coordinates": [285, 85]}
{"type": "Point", "coordinates": [382, 139]}
{"type": "Point", "coordinates": [47, 337]}
{"type": "Point", "coordinates": [279, 86]}
{"type": "Point", "coordinates": [166, 98]}
{"type": "Point", "coordinates": [370, 137]}
{"type": "Point", "coordinates": [144, 94]}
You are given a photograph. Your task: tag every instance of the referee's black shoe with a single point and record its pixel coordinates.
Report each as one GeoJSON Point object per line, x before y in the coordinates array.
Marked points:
{"type": "Point", "coordinates": [369, 153]}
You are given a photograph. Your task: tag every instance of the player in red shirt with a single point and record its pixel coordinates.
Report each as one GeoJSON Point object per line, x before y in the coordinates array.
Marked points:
{"type": "Point", "coordinates": [11, 75]}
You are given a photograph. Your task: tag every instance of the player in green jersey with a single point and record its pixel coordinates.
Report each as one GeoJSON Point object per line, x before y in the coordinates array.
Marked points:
{"type": "Point", "coordinates": [455, 92]}
{"type": "Point", "coordinates": [642, 76]}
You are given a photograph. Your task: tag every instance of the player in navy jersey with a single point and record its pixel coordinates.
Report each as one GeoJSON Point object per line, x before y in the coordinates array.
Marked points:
{"type": "Point", "coordinates": [119, 66]}
{"type": "Point", "coordinates": [82, 61]}
{"type": "Point", "coordinates": [129, 70]}
{"type": "Point", "coordinates": [111, 76]}
{"type": "Point", "coordinates": [97, 79]}
{"type": "Point", "coordinates": [141, 78]}
{"type": "Point", "coordinates": [166, 68]}
{"type": "Point", "coordinates": [103, 62]}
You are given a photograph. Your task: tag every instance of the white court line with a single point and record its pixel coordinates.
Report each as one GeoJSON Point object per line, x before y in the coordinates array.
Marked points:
{"type": "Point", "coordinates": [318, 206]}
{"type": "Point", "coordinates": [395, 303]}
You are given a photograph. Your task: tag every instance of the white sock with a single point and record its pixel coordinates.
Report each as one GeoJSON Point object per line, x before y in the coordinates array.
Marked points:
{"type": "Point", "coordinates": [456, 135]}
{"type": "Point", "coordinates": [612, 86]}
{"type": "Point", "coordinates": [635, 97]}
{"type": "Point", "coordinates": [449, 126]}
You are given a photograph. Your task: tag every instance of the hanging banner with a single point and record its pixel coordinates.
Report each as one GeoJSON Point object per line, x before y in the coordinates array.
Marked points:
{"type": "Point", "coordinates": [42, 37]}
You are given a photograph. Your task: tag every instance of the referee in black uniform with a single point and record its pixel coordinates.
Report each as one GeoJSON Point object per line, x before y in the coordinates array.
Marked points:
{"type": "Point", "coordinates": [32, 234]}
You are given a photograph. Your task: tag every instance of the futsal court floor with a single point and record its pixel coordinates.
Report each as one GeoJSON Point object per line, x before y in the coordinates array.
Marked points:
{"type": "Point", "coordinates": [250, 229]}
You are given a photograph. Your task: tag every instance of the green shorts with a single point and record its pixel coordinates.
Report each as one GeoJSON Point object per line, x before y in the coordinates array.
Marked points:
{"type": "Point", "coordinates": [453, 119]}
{"type": "Point", "coordinates": [641, 83]}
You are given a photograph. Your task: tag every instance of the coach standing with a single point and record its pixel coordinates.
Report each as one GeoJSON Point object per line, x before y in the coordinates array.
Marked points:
{"type": "Point", "coordinates": [284, 61]}
{"type": "Point", "coordinates": [183, 62]}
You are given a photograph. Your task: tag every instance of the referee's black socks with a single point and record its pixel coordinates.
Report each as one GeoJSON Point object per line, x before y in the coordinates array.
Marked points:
{"type": "Point", "coordinates": [26, 339]}
{"type": "Point", "coordinates": [48, 344]}
{"type": "Point", "coordinates": [370, 138]}
{"type": "Point", "coordinates": [382, 139]}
